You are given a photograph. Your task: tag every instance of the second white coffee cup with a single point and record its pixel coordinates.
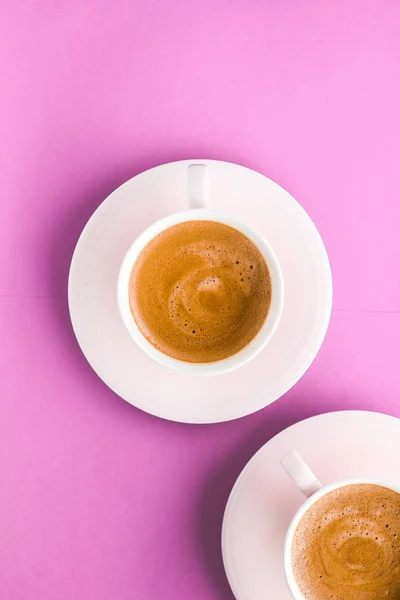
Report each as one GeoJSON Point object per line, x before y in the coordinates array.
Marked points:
{"type": "Point", "coordinates": [198, 202]}
{"type": "Point", "coordinates": [312, 488]}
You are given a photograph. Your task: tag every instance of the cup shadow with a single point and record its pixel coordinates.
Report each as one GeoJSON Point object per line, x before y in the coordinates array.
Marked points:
{"type": "Point", "coordinates": [218, 486]}
{"type": "Point", "coordinates": [66, 233]}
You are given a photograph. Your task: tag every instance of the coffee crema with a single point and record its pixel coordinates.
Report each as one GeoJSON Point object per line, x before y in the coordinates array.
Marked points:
{"type": "Point", "coordinates": [200, 291]}
{"type": "Point", "coordinates": [347, 545]}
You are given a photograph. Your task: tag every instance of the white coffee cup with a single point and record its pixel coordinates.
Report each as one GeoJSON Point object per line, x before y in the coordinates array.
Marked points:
{"type": "Point", "coordinates": [307, 482]}
{"type": "Point", "coordinates": [198, 202]}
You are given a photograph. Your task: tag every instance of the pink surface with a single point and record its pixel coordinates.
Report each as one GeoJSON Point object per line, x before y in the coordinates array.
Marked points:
{"type": "Point", "coordinates": [99, 500]}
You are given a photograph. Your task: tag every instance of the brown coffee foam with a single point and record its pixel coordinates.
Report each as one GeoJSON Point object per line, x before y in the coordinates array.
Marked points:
{"type": "Point", "coordinates": [200, 291]}
{"type": "Point", "coordinates": [347, 545]}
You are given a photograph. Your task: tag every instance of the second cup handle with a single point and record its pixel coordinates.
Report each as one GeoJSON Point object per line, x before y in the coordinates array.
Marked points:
{"type": "Point", "coordinates": [300, 473]}
{"type": "Point", "coordinates": [197, 186]}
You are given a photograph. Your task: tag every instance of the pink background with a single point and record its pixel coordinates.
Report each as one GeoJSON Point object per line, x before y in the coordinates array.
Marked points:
{"type": "Point", "coordinates": [99, 500]}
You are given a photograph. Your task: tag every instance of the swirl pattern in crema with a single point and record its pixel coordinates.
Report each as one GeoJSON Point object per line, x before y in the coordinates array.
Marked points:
{"type": "Point", "coordinates": [347, 545]}
{"type": "Point", "coordinates": [200, 291]}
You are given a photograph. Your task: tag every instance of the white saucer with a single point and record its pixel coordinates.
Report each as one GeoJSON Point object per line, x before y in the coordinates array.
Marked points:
{"type": "Point", "coordinates": [246, 195]}
{"type": "Point", "coordinates": [342, 445]}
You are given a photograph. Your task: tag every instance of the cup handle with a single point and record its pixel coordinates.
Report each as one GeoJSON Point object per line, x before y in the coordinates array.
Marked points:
{"type": "Point", "coordinates": [300, 473]}
{"type": "Point", "coordinates": [197, 186]}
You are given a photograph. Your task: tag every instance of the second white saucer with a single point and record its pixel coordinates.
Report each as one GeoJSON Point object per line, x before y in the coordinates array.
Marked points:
{"type": "Point", "coordinates": [247, 196]}
{"type": "Point", "coordinates": [336, 446]}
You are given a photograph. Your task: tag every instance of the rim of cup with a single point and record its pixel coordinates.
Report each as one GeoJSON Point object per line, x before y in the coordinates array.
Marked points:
{"type": "Point", "coordinates": [257, 343]}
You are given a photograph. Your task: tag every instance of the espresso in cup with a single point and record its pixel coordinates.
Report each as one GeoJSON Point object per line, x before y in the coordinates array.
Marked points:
{"type": "Point", "coordinates": [347, 545]}
{"type": "Point", "coordinates": [200, 291]}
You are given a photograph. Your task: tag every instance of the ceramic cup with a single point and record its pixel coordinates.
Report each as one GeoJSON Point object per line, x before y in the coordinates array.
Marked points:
{"type": "Point", "coordinates": [310, 486]}
{"type": "Point", "coordinates": [197, 189]}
